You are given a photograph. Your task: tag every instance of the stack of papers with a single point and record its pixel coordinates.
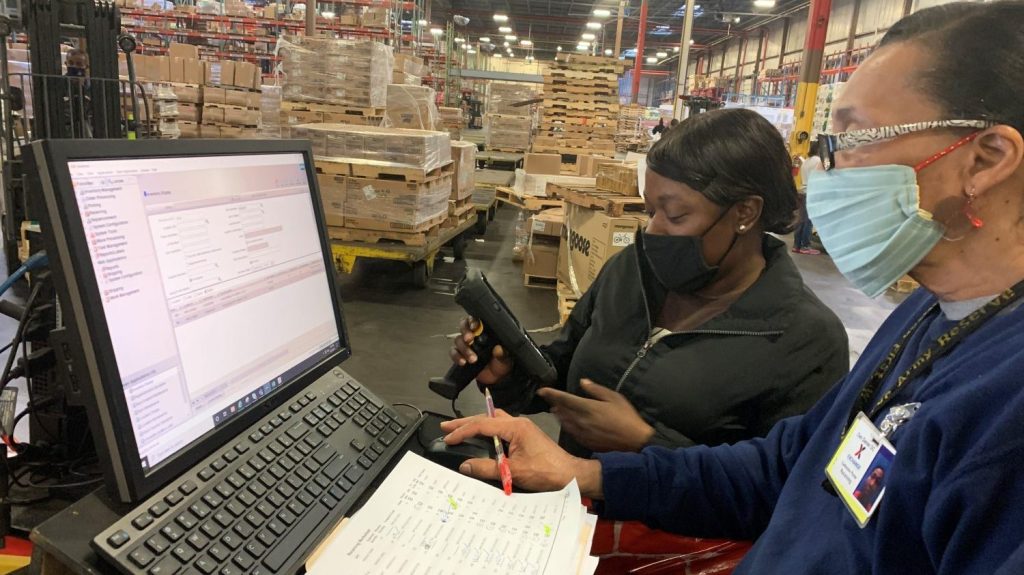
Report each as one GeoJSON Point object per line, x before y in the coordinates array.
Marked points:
{"type": "Point", "coordinates": [425, 518]}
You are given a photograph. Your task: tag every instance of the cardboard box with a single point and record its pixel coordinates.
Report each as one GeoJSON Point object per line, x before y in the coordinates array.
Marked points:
{"type": "Point", "coordinates": [411, 107]}
{"type": "Point", "coordinates": [588, 165]}
{"type": "Point", "coordinates": [550, 164]}
{"type": "Point", "coordinates": [618, 178]}
{"type": "Point", "coordinates": [332, 195]}
{"type": "Point", "coordinates": [253, 100]}
{"type": "Point", "coordinates": [214, 95]}
{"type": "Point", "coordinates": [177, 70]}
{"type": "Point", "coordinates": [464, 157]}
{"type": "Point", "coordinates": [206, 131]}
{"type": "Point", "coordinates": [537, 184]}
{"type": "Point", "coordinates": [190, 112]}
{"type": "Point", "coordinates": [548, 223]}
{"type": "Point", "coordinates": [212, 115]}
{"type": "Point", "coordinates": [246, 76]}
{"type": "Point", "coordinates": [188, 129]}
{"type": "Point", "coordinates": [188, 93]}
{"type": "Point", "coordinates": [194, 71]}
{"type": "Point", "coordinates": [395, 206]}
{"type": "Point", "coordinates": [183, 51]}
{"type": "Point", "coordinates": [541, 259]}
{"type": "Point", "coordinates": [163, 64]}
{"type": "Point", "coordinates": [241, 117]}
{"type": "Point", "coordinates": [227, 73]}
{"type": "Point", "coordinates": [593, 238]}
{"type": "Point", "coordinates": [238, 98]}
{"type": "Point", "coordinates": [231, 132]}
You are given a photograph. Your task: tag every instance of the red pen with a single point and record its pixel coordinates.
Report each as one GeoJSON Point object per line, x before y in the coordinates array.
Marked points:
{"type": "Point", "coordinates": [503, 468]}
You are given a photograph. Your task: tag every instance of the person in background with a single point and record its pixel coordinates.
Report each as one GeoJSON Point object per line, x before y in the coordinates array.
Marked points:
{"type": "Point", "coordinates": [79, 112]}
{"type": "Point", "coordinates": [660, 127]}
{"type": "Point", "coordinates": [802, 237]}
{"type": "Point", "coordinates": [925, 175]}
{"type": "Point", "coordinates": [673, 123]}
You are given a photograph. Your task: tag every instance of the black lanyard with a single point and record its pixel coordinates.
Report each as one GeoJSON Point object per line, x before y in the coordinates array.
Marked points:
{"type": "Point", "coordinates": [942, 346]}
{"type": "Point", "coordinates": [939, 348]}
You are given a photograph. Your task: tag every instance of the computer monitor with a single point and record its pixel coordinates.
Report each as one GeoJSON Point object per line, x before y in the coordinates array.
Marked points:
{"type": "Point", "coordinates": [197, 279]}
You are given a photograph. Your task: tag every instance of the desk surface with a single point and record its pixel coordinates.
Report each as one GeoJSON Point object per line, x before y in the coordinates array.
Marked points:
{"type": "Point", "coordinates": [67, 535]}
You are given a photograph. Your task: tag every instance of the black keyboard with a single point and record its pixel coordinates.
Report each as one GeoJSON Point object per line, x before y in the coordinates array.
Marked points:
{"type": "Point", "coordinates": [260, 504]}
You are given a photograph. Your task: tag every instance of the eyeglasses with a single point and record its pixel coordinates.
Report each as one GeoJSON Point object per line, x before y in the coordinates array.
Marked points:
{"type": "Point", "coordinates": [829, 144]}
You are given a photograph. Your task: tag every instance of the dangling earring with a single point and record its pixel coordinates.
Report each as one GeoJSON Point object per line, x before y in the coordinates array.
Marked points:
{"type": "Point", "coordinates": [972, 216]}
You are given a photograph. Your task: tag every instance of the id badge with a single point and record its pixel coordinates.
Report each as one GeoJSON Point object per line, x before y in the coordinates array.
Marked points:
{"type": "Point", "coordinates": [859, 469]}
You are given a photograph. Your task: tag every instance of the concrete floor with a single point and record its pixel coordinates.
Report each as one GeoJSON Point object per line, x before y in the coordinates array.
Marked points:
{"type": "Point", "coordinates": [399, 334]}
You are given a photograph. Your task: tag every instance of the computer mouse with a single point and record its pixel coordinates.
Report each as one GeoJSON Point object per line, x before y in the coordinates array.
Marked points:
{"type": "Point", "coordinates": [451, 456]}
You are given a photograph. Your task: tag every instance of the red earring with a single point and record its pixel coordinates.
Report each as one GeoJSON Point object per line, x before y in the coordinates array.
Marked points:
{"type": "Point", "coordinates": [969, 212]}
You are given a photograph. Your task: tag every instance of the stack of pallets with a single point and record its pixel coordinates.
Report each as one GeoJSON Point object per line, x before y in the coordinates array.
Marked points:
{"type": "Point", "coordinates": [630, 135]}
{"type": "Point", "coordinates": [581, 106]}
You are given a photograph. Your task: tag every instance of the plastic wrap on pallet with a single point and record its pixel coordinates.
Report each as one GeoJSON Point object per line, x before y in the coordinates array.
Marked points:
{"type": "Point", "coordinates": [464, 157]}
{"type": "Point", "coordinates": [270, 118]}
{"type": "Point", "coordinates": [385, 146]}
{"type": "Point", "coordinates": [507, 132]}
{"type": "Point", "coordinates": [335, 71]}
{"type": "Point", "coordinates": [504, 95]}
{"type": "Point", "coordinates": [412, 107]}
{"type": "Point", "coordinates": [411, 65]}
{"type": "Point", "coordinates": [395, 205]}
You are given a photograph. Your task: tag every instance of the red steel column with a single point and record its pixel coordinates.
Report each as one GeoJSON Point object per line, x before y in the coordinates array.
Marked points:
{"type": "Point", "coordinates": [641, 33]}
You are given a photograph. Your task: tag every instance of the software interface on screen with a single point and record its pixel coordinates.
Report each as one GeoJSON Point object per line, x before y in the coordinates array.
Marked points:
{"type": "Point", "coordinates": [212, 282]}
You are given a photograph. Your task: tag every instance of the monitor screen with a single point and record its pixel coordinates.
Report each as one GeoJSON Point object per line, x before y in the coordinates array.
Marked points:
{"type": "Point", "coordinates": [213, 284]}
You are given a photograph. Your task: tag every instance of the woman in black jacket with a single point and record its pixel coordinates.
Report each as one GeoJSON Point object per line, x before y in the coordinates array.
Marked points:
{"type": "Point", "coordinates": [703, 331]}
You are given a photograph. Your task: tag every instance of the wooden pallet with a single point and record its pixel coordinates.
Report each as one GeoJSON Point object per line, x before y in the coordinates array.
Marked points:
{"type": "Point", "coordinates": [290, 106]}
{"type": "Point", "coordinates": [541, 282]}
{"type": "Point", "coordinates": [460, 207]}
{"type": "Point", "coordinates": [529, 203]}
{"type": "Point", "coordinates": [409, 238]}
{"type": "Point", "coordinates": [374, 171]}
{"type": "Point", "coordinates": [567, 299]}
{"type": "Point", "coordinates": [589, 197]}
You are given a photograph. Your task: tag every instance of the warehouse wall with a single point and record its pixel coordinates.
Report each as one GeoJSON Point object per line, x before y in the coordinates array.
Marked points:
{"type": "Point", "coordinates": [874, 17]}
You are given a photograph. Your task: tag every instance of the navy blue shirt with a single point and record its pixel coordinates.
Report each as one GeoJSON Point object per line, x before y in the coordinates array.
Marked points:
{"type": "Point", "coordinates": [954, 500]}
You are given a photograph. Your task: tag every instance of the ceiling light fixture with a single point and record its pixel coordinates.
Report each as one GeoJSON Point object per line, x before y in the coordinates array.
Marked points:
{"type": "Point", "coordinates": [497, 55]}
{"type": "Point", "coordinates": [691, 42]}
{"type": "Point", "coordinates": [736, 19]}
{"type": "Point", "coordinates": [662, 54]}
{"type": "Point", "coordinates": [652, 60]}
{"type": "Point", "coordinates": [602, 13]}
{"type": "Point", "coordinates": [460, 40]}
{"type": "Point", "coordinates": [558, 48]}
{"type": "Point", "coordinates": [764, 3]}
{"type": "Point", "coordinates": [485, 39]}
{"type": "Point", "coordinates": [676, 48]}
{"type": "Point", "coordinates": [593, 25]}
{"type": "Point", "coordinates": [607, 51]}
{"type": "Point", "coordinates": [506, 44]}
{"type": "Point", "coordinates": [500, 18]}
{"type": "Point", "coordinates": [527, 42]}
{"type": "Point", "coordinates": [471, 51]}
{"type": "Point", "coordinates": [505, 30]}
{"type": "Point", "coordinates": [583, 43]}
{"type": "Point", "coordinates": [327, 14]}
{"type": "Point", "coordinates": [588, 36]}
{"type": "Point", "coordinates": [511, 37]}
{"type": "Point", "coordinates": [436, 31]}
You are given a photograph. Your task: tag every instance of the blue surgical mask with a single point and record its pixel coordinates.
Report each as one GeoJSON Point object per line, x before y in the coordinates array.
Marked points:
{"type": "Point", "coordinates": [871, 222]}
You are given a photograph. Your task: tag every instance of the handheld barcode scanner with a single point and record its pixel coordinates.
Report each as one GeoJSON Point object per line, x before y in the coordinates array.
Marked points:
{"type": "Point", "coordinates": [496, 325]}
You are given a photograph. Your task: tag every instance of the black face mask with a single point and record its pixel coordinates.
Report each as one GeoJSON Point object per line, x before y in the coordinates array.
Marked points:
{"type": "Point", "coordinates": [76, 72]}
{"type": "Point", "coordinates": [678, 261]}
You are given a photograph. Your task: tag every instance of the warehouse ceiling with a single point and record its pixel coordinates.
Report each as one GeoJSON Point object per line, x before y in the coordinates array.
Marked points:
{"type": "Point", "coordinates": [552, 23]}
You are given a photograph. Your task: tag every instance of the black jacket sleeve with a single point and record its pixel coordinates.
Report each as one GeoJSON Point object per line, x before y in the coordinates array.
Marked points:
{"type": "Point", "coordinates": [517, 393]}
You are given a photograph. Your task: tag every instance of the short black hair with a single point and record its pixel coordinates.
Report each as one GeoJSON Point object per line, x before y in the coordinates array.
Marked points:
{"type": "Point", "coordinates": [728, 156]}
{"type": "Point", "coordinates": [977, 58]}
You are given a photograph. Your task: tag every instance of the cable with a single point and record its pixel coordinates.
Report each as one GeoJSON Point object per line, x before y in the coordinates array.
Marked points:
{"type": "Point", "coordinates": [18, 336]}
{"type": "Point", "coordinates": [37, 260]}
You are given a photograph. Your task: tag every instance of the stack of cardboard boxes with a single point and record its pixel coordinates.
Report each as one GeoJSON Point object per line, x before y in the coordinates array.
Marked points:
{"type": "Point", "coordinates": [620, 178]}
{"type": "Point", "coordinates": [381, 183]}
{"type": "Point", "coordinates": [508, 126]}
{"type": "Point", "coordinates": [330, 80]}
{"type": "Point", "coordinates": [540, 262]}
{"type": "Point", "coordinates": [451, 120]}
{"type": "Point", "coordinates": [460, 205]}
{"type": "Point", "coordinates": [231, 100]}
{"type": "Point", "coordinates": [581, 105]}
